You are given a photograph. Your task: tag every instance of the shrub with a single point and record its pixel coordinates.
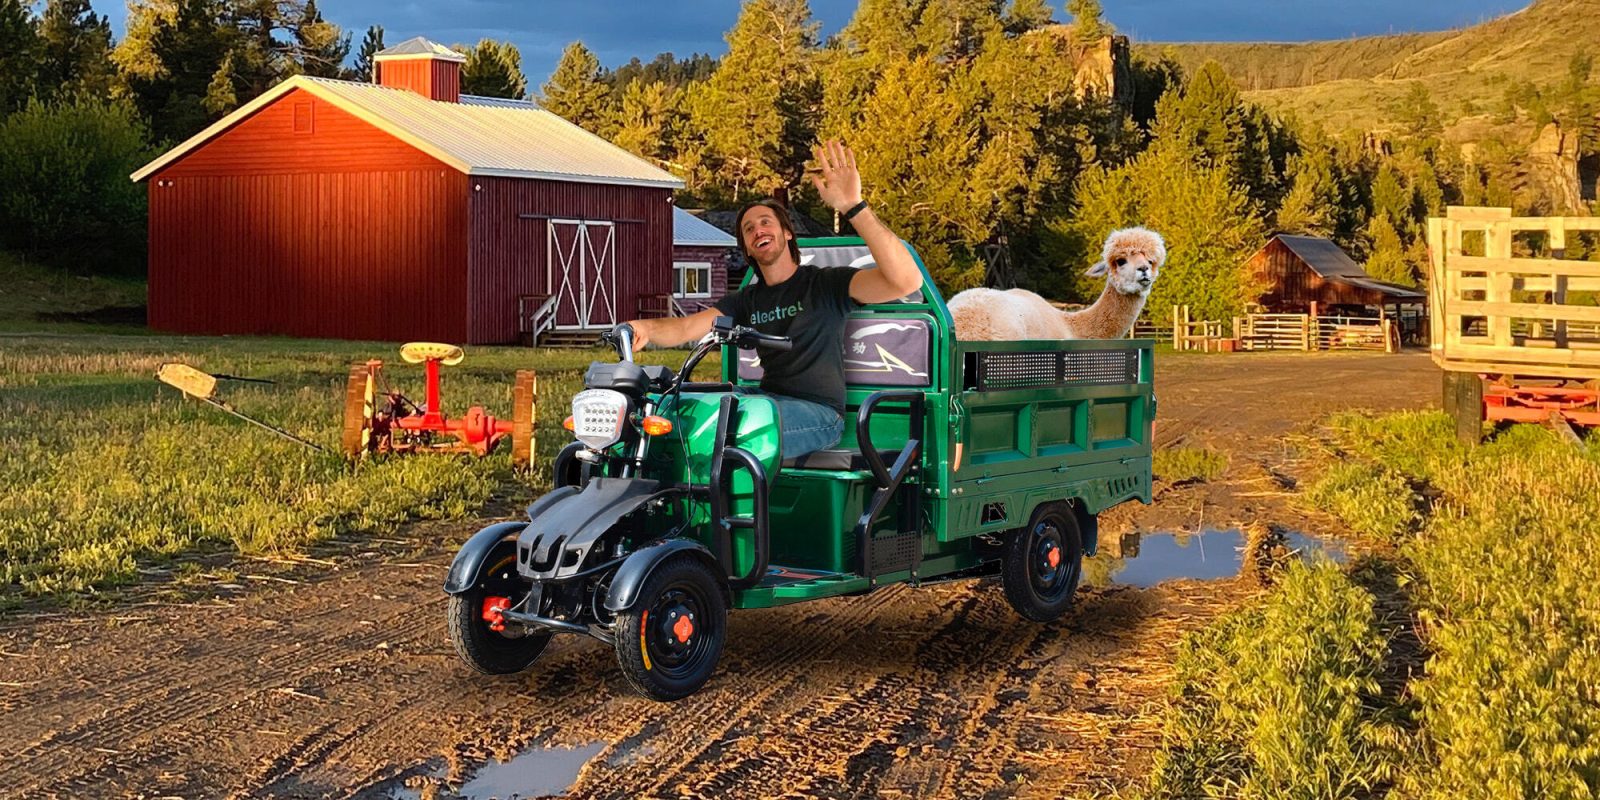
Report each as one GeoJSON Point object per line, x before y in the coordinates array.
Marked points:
{"type": "Point", "coordinates": [64, 189]}
{"type": "Point", "coordinates": [1370, 499]}
{"type": "Point", "coordinates": [1282, 699]}
{"type": "Point", "coordinates": [1188, 463]}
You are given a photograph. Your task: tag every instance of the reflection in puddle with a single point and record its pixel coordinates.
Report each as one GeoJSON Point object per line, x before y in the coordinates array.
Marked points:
{"type": "Point", "coordinates": [536, 772]}
{"type": "Point", "coordinates": [1148, 559]}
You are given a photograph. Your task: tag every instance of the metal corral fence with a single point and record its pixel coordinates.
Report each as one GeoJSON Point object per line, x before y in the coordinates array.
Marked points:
{"type": "Point", "coordinates": [1305, 332]}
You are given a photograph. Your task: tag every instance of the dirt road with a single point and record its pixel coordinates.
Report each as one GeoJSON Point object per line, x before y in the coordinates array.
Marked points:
{"type": "Point", "coordinates": [342, 683]}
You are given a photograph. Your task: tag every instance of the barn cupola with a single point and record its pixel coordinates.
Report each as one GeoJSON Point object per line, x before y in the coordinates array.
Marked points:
{"type": "Point", "coordinates": [427, 68]}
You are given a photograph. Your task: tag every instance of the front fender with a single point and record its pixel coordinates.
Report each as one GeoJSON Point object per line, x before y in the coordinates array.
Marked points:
{"type": "Point", "coordinates": [464, 571]}
{"type": "Point", "coordinates": [469, 562]}
{"type": "Point", "coordinates": [636, 570]}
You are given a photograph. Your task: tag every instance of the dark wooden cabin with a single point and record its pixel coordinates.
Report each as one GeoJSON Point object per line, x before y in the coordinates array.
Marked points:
{"type": "Point", "coordinates": [1312, 275]}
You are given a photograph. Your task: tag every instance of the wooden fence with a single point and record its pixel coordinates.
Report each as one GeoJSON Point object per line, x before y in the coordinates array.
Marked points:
{"type": "Point", "coordinates": [1503, 314]}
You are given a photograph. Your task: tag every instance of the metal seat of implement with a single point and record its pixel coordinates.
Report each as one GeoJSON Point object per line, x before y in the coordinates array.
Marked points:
{"type": "Point", "coordinates": [418, 352]}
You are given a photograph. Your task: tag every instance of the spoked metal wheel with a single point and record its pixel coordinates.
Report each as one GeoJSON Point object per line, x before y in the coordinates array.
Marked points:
{"type": "Point", "coordinates": [473, 620]}
{"type": "Point", "coordinates": [1042, 562]}
{"type": "Point", "coordinates": [668, 644]}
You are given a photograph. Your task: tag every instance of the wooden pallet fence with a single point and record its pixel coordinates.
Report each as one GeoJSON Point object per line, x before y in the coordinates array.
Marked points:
{"type": "Point", "coordinates": [1498, 313]}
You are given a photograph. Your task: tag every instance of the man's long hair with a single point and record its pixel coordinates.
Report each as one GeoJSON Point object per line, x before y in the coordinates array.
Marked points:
{"type": "Point", "coordinates": [783, 222]}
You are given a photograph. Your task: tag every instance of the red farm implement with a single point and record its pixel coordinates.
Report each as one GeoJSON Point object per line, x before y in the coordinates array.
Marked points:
{"type": "Point", "coordinates": [380, 419]}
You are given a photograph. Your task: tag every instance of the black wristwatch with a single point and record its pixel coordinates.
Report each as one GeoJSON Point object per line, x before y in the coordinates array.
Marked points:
{"type": "Point", "coordinates": [854, 210]}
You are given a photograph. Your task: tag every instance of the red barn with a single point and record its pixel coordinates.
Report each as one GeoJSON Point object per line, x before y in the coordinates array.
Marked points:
{"type": "Point", "coordinates": [402, 210]}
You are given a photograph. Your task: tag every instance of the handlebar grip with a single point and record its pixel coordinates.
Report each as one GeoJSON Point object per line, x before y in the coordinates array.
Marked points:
{"type": "Point", "coordinates": [782, 343]}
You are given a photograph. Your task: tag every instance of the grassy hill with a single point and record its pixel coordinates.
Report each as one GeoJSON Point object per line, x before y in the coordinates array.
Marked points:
{"type": "Point", "coordinates": [1353, 83]}
{"type": "Point", "coordinates": [39, 298]}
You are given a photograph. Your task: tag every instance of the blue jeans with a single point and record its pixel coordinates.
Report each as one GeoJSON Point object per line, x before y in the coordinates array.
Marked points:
{"type": "Point", "coordinates": [804, 426]}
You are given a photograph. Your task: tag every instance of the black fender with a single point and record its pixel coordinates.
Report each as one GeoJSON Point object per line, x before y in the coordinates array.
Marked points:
{"type": "Point", "coordinates": [466, 569]}
{"type": "Point", "coordinates": [469, 563]}
{"type": "Point", "coordinates": [636, 569]}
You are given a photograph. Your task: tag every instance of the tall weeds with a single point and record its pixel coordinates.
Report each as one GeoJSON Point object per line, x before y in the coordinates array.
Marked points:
{"type": "Point", "coordinates": [1498, 548]}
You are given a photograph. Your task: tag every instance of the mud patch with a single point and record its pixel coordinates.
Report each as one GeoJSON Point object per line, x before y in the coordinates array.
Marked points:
{"type": "Point", "coordinates": [536, 772]}
{"type": "Point", "coordinates": [1146, 560]}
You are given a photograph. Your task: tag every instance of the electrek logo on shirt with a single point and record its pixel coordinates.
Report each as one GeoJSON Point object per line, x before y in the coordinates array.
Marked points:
{"type": "Point", "coordinates": [777, 314]}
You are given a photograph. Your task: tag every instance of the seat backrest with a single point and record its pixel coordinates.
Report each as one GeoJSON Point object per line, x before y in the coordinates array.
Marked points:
{"type": "Point", "coordinates": [879, 351]}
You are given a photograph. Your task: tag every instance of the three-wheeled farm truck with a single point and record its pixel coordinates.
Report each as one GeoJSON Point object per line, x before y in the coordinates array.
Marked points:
{"type": "Point", "coordinates": [960, 460]}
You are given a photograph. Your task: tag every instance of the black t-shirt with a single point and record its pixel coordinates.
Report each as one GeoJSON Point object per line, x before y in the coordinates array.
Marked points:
{"type": "Point", "coordinates": [810, 308]}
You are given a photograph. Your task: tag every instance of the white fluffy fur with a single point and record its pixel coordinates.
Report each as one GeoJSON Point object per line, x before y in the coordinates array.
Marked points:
{"type": "Point", "coordinates": [995, 315]}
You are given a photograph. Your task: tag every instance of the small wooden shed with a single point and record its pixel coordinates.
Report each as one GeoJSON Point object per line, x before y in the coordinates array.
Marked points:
{"type": "Point", "coordinates": [403, 209]}
{"type": "Point", "coordinates": [701, 254]}
{"type": "Point", "coordinates": [1309, 275]}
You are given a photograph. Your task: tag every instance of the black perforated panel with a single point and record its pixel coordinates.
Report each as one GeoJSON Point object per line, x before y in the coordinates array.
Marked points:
{"type": "Point", "coordinates": [995, 371]}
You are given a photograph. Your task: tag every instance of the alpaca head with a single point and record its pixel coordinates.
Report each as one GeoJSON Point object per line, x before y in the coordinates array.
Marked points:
{"type": "Point", "coordinates": [1131, 259]}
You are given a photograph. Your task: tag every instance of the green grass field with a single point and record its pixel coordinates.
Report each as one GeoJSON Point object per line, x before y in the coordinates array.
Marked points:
{"type": "Point", "coordinates": [1460, 661]}
{"type": "Point", "coordinates": [108, 470]}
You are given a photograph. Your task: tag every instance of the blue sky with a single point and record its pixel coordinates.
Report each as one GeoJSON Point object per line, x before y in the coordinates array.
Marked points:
{"type": "Point", "coordinates": [620, 29]}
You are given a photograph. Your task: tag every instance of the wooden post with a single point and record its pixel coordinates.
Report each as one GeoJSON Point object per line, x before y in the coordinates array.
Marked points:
{"type": "Point", "coordinates": [1558, 283]}
{"type": "Point", "coordinates": [1463, 400]}
{"type": "Point", "coordinates": [1305, 332]}
{"type": "Point", "coordinates": [1435, 284]}
{"type": "Point", "coordinates": [1497, 244]}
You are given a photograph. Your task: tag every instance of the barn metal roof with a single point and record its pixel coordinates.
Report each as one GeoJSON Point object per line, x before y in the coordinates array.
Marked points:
{"type": "Point", "coordinates": [420, 46]}
{"type": "Point", "coordinates": [1331, 262]}
{"type": "Point", "coordinates": [692, 231]}
{"type": "Point", "coordinates": [479, 136]}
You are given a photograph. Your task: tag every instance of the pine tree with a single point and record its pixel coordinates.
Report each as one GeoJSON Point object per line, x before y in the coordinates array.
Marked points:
{"type": "Point", "coordinates": [19, 54]}
{"type": "Point", "coordinates": [493, 69]}
{"type": "Point", "coordinates": [1311, 206]}
{"type": "Point", "coordinates": [75, 50]}
{"type": "Point", "coordinates": [320, 47]}
{"type": "Point", "coordinates": [169, 58]}
{"type": "Point", "coordinates": [371, 44]}
{"type": "Point", "coordinates": [757, 112]}
{"type": "Point", "coordinates": [1206, 219]}
{"type": "Point", "coordinates": [1387, 261]}
{"type": "Point", "coordinates": [956, 30]}
{"type": "Point", "coordinates": [1025, 15]}
{"type": "Point", "coordinates": [652, 118]}
{"type": "Point", "coordinates": [1390, 198]}
{"type": "Point", "coordinates": [1088, 21]}
{"type": "Point", "coordinates": [576, 91]}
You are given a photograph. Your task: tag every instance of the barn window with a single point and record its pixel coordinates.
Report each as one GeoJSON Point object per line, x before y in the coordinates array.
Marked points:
{"type": "Point", "coordinates": [302, 117]}
{"type": "Point", "coordinates": [691, 278]}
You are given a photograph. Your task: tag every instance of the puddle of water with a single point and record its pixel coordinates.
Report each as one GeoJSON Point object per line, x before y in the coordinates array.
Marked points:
{"type": "Point", "coordinates": [536, 772]}
{"type": "Point", "coordinates": [1149, 559]}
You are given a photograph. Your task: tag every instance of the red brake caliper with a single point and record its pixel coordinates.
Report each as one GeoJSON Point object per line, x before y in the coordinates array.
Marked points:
{"type": "Point", "coordinates": [492, 608]}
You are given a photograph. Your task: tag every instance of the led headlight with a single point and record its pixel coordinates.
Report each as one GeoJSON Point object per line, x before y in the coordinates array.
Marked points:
{"type": "Point", "coordinates": [598, 415]}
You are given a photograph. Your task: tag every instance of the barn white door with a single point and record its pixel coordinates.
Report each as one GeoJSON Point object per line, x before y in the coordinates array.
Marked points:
{"type": "Point", "coordinates": [582, 259]}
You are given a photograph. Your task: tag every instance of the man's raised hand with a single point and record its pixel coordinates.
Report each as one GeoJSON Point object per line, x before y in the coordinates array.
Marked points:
{"type": "Point", "coordinates": [837, 180]}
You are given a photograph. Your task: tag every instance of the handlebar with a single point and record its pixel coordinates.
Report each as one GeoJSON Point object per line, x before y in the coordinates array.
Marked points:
{"type": "Point", "coordinates": [750, 337]}
{"type": "Point", "coordinates": [620, 337]}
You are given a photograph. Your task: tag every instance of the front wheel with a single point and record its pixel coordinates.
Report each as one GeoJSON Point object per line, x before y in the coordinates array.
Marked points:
{"type": "Point", "coordinates": [486, 650]}
{"type": "Point", "coordinates": [1041, 563]}
{"type": "Point", "coordinates": [669, 642]}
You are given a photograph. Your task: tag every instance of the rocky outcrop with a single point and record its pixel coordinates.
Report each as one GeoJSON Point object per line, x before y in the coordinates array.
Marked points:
{"type": "Point", "coordinates": [1549, 174]}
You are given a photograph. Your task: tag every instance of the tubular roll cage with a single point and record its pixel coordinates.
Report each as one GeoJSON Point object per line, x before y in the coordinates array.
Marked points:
{"type": "Point", "coordinates": [888, 479]}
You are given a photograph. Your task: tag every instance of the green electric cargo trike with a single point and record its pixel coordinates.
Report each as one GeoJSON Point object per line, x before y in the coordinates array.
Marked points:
{"type": "Point", "coordinates": [964, 460]}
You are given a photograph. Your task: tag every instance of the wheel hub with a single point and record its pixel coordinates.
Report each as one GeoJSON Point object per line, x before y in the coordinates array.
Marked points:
{"type": "Point", "coordinates": [1047, 557]}
{"type": "Point", "coordinates": [674, 633]}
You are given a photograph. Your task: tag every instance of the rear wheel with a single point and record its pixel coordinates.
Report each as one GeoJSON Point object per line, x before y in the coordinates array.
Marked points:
{"type": "Point", "coordinates": [1041, 563]}
{"type": "Point", "coordinates": [668, 644]}
{"type": "Point", "coordinates": [487, 650]}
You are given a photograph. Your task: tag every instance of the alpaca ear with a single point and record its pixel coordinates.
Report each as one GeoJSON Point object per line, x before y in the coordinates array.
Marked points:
{"type": "Point", "coordinates": [1097, 270]}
